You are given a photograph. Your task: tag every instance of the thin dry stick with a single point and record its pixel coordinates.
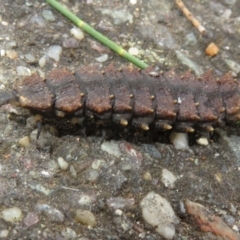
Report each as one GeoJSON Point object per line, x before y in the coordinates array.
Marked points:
{"type": "Point", "coordinates": [190, 17]}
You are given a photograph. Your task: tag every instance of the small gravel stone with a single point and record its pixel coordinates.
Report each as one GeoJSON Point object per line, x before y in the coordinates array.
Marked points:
{"type": "Point", "coordinates": [30, 58]}
{"type": "Point", "coordinates": [52, 213]}
{"type": "Point", "coordinates": [68, 233]}
{"type": "Point", "coordinates": [120, 202]}
{"type": "Point", "coordinates": [23, 71]}
{"type": "Point", "coordinates": [37, 21]}
{"type": "Point", "coordinates": [4, 233]}
{"type": "Point", "coordinates": [111, 148]}
{"type": "Point", "coordinates": [234, 66]}
{"type": "Point", "coordinates": [168, 178]}
{"type": "Point", "coordinates": [48, 15]}
{"type": "Point", "coordinates": [42, 61]}
{"type": "Point", "coordinates": [2, 52]}
{"type": "Point", "coordinates": [86, 218]}
{"type": "Point", "coordinates": [77, 33]}
{"type": "Point", "coordinates": [179, 140]}
{"type": "Point", "coordinates": [147, 176]}
{"type": "Point", "coordinates": [102, 58]}
{"type": "Point", "coordinates": [24, 141]}
{"type": "Point", "coordinates": [97, 164]}
{"type": "Point", "coordinates": [13, 214]}
{"type": "Point", "coordinates": [188, 62]}
{"type": "Point", "coordinates": [119, 16]}
{"type": "Point", "coordinates": [158, 212]}
{"type": "Point", "coordinates": [54, 52]}
{"type": "Point", "coordinates": [31, 219]}
{"type": "Point", "coordinates": [71, 43]}
{"type": "Point", "coordinates": [91, 175]}
{"type": "Point", "coordinates": [12, 54]}
{"type": "Point", "coordinates": [202, 141]}
{"type": "Point", "coordinates": [40, 188]}
{"type": "Point", "coordinates": [133, 51]}
{"type": "Point", "coordinates": [86, 199]}
{"type": "Point", "coordinates": [73, 171]}
{"type": "Point", "coordinates": [191, 39]}
{"type": "Point", "coordinates": [62, 163]}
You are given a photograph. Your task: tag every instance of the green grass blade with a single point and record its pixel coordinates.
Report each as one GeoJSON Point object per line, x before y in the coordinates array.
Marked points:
{"type": "Point", "coordinates": [97, 35]}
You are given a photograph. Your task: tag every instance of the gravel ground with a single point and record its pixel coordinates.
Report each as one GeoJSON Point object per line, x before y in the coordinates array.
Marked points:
{"type": "Point", "coordinates": [84, 186]}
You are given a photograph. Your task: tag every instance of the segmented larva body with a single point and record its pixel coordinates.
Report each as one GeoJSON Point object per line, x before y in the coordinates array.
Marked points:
{"type": "Point", "coordinates": [140, 98]}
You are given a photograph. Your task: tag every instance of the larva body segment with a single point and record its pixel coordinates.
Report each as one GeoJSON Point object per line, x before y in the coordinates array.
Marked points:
{"type": "Point", "coordinates": [164, 101]}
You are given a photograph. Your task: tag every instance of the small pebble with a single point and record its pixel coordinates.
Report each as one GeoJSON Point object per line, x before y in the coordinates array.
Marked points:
{"type": "Point", "coordinates": [133, 2]}
{"type": "Point", "coordinates": [234, 66]}
{"type": "Point", "coordinates": [48, 15]}
{"type": "Point", "coordinates": [191, 39]}
{"type": "Point", "coordinates": [30, 58]}
{"type": "Point", "coordinates": [168, 178]}
{"type": "Point", "coordinates": [23, 71]}
{"type": "Point", "coordinates": [69, 233]}
{"type": "Point", "coordinates": [158, 212]}
{"type": "Point", "coordinates": [62, 163]}
{"type": "Point", "coordinates": [71, 43]}
{"type": "Point", "coordinates": [77, 33]}
{"type": "Point", "coordinates": [97, 164]}
{"type": "Point", "coordinates": [179, 140]}
{"type": "Point", "coordinates": [188, 62]}
{"type": "Point", "coordinates": [212, 49]}
{"type": "Point", "coordinates": [147, 176]}
{"type": "Point", "coordinates": [91, 175]}
{"type": "Point", "coordinates": [24, 141]}
{"type": "Point", "coordinates": [111, 148]}
{"type": "Point", "coordinates": [133, 51]}
{"type": "Point", "coordinates": [202, 141]}
{"type": "Point", "coordinates": [31, 219]}
{"type": "Point", "coordinates": [42, 61]}
{"type": "Point", "coordinates": [12, 54]}
{"type": "Point", "coordinates": [13, 214]}
{"type": "Point", "coordinates": [85, 217]}
{"type": "Point", "coordinates": [4, 233]}
{"type": "Point", "coordinates": [2, 52]}
{"type": "Point", "coordinates": [102, 58]}
{"type": "Point", "coordinates": [73, 171]}
{"type": "Point", "coordinates": [54, 52]}
{"type": "Point", "coordinates": [53, 214]}
{"type": "Point", "coordinates": [118, 212]}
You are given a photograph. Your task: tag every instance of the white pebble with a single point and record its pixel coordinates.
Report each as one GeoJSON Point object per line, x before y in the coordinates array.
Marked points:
{"type": "Point", "coordinates": [2, 52]}
{"type": "Point", "coordinates": [23, 71]}
{"type": "Point", "coordinates": [54, 52]}
{"type": "Point", "coordinates": [158, 212]}
{"type": "Point", "coordinates": [111, 148]}
{"type": "Point", "coordinates": [179, 140]}
{"type": "Point", "coordinates": [13, 214]}
{"type": "Point", "coordinates": [62, 163]}
{"type": "Point", "coordinates": [202, 141]}
{"type": "Point", "coordinates": [96, 164]}
{"type": "Point", "coordinates": [24, 141]}
{"type": "Point", "coordinates": [68, 233]}
{"type": "Point", "coordinates": [133, 51]}
{"type": "Point", "coordinates": [133, 2]}
{"type": "Point", "coordinates": [4, 233]}
{"type": "Point", "coordinates": [102, 58]}
{"type": "Point", "coordinates": [118, 212]}
{"type": "Point", "coordinates": [168, 178]}
{"type": "Point", "coordinates": [77, 33]}
{"type": "Point", "coordinates": [42, 61]}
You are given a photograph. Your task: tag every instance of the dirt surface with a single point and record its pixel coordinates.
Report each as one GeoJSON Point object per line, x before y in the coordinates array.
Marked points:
{"type": "Point", "coordinates": [45, 183]}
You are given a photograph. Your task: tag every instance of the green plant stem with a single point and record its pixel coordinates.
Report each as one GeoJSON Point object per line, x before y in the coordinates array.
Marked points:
{"type": "Point", "coordinates": [101, 38]}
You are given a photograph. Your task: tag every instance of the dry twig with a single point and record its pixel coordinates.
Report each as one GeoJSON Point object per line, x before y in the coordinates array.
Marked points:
{"type": "Point", "coordinates": [190, 17]}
